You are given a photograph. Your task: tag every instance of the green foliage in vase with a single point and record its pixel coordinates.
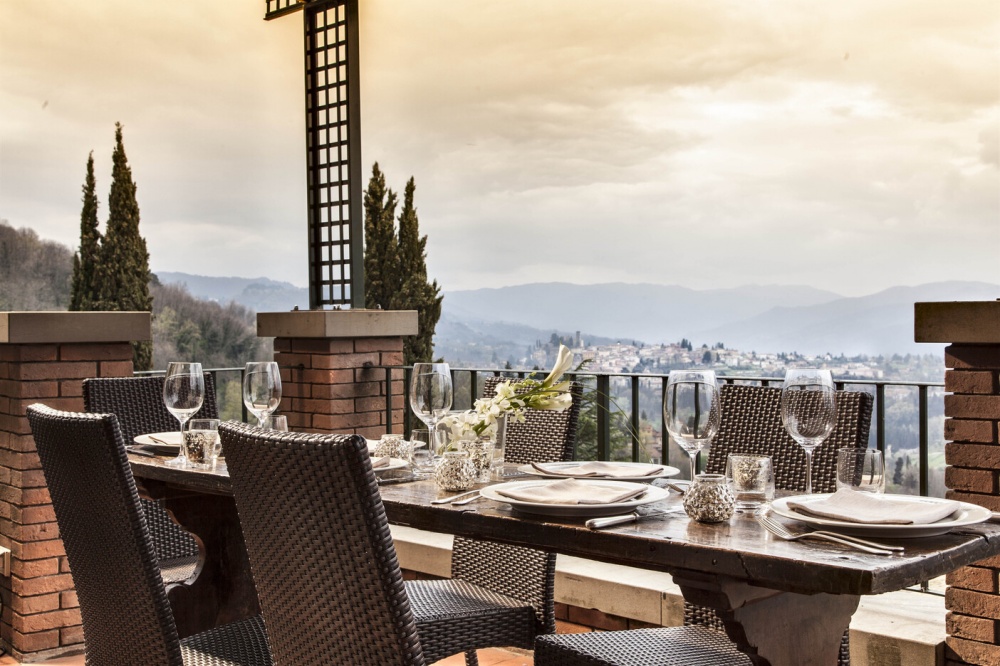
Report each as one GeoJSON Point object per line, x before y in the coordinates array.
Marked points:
{"type": "Point", "coordinates": [396, 264]}
{"type": "Point", "coordinates": [381, 254]}
{"type": "Point", "coordinates": [85, 262]}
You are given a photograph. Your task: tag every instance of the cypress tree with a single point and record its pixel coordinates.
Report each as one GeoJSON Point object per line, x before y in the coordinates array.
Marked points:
{"type": "Point", "coordinates": [382, 277]}
{"type": "Point", "coordinates": [415, 292]}
{"type": "Point", "coordinates": [124, 268]}
{"type": "Point", "coordinates": [85, 262]}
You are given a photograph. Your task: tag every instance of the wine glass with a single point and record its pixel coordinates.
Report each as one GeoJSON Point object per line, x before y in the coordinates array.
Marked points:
{"type": "Point", "coordinates": [430, 393]}
{"type": "Point", "coordinates": [691, 410]}
{"type": "Point", "coordinates": [261, 389]}
{"type": "Point", "coordinates": [808, 410]}
{"type": "Point", "coordinates": [183, 393]}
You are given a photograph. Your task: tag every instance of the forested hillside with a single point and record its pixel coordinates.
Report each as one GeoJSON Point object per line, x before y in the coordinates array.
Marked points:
{"type": "Point", "coordinates": [36, 274]}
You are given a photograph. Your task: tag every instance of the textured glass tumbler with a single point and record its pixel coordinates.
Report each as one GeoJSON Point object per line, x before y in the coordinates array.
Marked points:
{"type": "Point", "coordinates": [861, 469]}
{"type": "Point", "coordinates": [751, 478]}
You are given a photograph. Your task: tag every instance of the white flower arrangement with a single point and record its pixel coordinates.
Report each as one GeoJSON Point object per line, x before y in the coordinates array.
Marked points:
{"type": "Point", "coordinates": [512, 399]}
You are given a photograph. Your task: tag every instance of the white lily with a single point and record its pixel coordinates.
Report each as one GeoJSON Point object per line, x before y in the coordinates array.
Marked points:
{"type": "Point", "coordinates": [563, 363]}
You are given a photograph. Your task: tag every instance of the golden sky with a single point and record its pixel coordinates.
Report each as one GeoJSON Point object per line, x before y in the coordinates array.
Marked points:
{"type": "Point", "coordinates": [846, 145]}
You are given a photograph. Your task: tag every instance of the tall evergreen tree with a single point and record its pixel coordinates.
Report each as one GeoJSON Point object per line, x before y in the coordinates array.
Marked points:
{"type": "Point", "coordinates": [415, 292]}
{"type": "Point", "coordinates": [382, 276]}
{"type": "Point", "coordinates": [85, 262]}
{"type": "Point", "coordinates": [124, 268]}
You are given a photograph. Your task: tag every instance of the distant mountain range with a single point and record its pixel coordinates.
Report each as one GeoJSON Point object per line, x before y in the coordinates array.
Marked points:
{"type": "Point", "coordinates": [763, 318]}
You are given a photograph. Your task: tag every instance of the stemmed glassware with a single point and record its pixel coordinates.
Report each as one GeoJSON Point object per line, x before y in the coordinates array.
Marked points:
{"type": "Point", "coordinates": [691, 410]}
{"type": "Point", "coordinates": [261, 389]}
{"type": "Point", "coordinates": [808, 410]}
{"type": "Point", "coordinates": [183, 394]}
{"type": "Point", "coordinates": [431, 393]}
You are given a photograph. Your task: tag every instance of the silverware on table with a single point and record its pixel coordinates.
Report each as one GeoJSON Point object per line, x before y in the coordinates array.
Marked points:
{"type": "Point", "coordinates": [398, 479]}
{"type": "Point", "coordinates": [610, 521]}
{"type": "Point", "coordinates": [474, 498]}
{"type": "Point", "coordinates": [782, 532]}
{"type": "Point", "coordinates": [449, 500]}
{"type": "Point", "coordinates": [140, 452]}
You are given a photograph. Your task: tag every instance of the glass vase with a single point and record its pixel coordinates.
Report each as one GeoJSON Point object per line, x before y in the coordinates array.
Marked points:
{"type": "Point", "coordinates": [455, 471]}
{"type": "Point", "coordinates": [709, 499]}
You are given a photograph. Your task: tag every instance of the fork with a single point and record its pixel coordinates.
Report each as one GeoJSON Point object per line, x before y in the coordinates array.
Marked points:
{"type": "Point", "coordinates": [780, 531]}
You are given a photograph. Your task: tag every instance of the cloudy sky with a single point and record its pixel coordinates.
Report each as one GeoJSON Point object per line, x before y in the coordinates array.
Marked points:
{"type": "Point", "coordinates": [849, 145]}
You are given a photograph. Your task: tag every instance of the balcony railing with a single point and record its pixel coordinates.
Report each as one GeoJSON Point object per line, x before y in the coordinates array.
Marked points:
{"type": "Point", "coordinates": [901, 421]}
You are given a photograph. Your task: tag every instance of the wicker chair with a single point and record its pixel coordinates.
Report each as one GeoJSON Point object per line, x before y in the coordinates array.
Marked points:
{"type": "Point", "coordinates": [498, 595]}
{"type": "Point", "coordinates": [751, 423]}
{"type": "Point", "coordinates": [126, 616]}
{"type": "Point", "coordinates": [322, 557]}
{"type": "Point", "coordinates": [138, 404]}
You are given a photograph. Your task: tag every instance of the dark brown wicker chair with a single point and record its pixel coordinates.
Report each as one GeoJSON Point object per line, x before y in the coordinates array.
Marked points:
{"type": "Point", "coordinates": [498, 595]}
{"type": "Point", "coordinates": [751, 423]}
{"type": "Point", "coordinates": [322, 557]}
{"type": "Point", "coordinates": [126, 616]}
{"type": "Point", "coordinates": [138, 404]}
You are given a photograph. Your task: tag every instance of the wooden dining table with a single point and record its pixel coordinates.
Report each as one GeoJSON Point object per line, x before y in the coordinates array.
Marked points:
{"type": "Point", "coordinates": [781, 602]}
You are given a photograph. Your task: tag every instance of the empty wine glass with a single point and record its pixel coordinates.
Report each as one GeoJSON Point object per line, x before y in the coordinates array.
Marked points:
{"type": "Point", "coordinates": [261, 389]}
{"type": "Point", "coordinates": [430, 393]}
{"type": "Point", "coordinates": [808, 410]}
{"type": "Point", "coordinates": [183, 394]}
{"type": "Point", "coordinates": [691, 410]}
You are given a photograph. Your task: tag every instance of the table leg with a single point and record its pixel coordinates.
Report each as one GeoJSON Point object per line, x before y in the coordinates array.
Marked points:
{"type": "Point", "coordinates": [224, 591]}
{"type": "Point", "coordinates": [772, 627]}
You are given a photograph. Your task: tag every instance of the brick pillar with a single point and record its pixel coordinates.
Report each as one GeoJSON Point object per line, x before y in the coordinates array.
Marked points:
{"type": "Point", "coordinates": [44, 357]}
{"type": "Point", "coordinates": [972, 453]}
{"type": "Point", "coordinates": [331, 367]}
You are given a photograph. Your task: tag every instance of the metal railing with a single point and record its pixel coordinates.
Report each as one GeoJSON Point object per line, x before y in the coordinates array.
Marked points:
{"type": "Point", "coordinates": [605, 390]}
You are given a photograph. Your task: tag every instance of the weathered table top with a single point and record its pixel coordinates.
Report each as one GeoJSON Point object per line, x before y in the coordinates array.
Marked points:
{"type": "Point", "coordinates": [739, 549]}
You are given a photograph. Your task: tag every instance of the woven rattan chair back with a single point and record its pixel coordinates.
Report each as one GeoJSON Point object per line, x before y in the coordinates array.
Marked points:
{"type": "Point", "coordinates": [327, 577]}
{"type": "Point", "coordinates": [138, 404]}
{"type": "Point", "coordinates": [544, 436]}
{"type": "Point", "coordinates": [751, 423]}
{"type": "Point", "coordinates": [522, 573]}
{"type": "Point", "coordinates": [126, 617]}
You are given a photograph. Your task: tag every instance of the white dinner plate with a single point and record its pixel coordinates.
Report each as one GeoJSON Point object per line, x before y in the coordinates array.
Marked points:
{"type": "Point", "coordinates": [172, 447]}
{"type": "Point", "coordinates": [652, 494]}
{"type": "Point", "coordinates": [967, 514]}
{"type": "Point", "coordinates": [566, 469]}
{"type": "Point", "coordinates": [394, 463]}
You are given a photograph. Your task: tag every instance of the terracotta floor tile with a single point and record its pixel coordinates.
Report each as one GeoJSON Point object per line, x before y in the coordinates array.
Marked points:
{"type": "Point", "coordinates": [490, 657]}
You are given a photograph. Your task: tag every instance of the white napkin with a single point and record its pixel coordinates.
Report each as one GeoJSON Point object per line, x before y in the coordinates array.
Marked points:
{"type": "Point", "coordinates": [599, 469]}
{"type": "Point", "coordinates": [380, 462]}
{"type": "Point", "coordinates": [572, 491]}
{"type": "Point", "coordinates": [858, 507]}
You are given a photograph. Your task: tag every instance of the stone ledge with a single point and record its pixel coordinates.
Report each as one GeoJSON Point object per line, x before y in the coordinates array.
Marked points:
{"type": "Point", "coordinates": [337, 324]}
{"type": "Point", "coordinates": [897, 628]}
{"type": "Point", "coordinates": [961, 322]}
{"type": "Point", "coordinates": [74, 327]}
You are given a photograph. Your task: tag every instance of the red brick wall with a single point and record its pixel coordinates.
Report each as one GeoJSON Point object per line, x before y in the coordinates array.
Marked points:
{"type": "Point", "coordinates": [40, 610]}
{"type": "Point", "coordinates": [326, 386]}
{"type": "Point", "coordinates": [972, 419]}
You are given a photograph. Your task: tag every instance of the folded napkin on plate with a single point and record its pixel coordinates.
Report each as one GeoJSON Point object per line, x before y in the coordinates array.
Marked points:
{"type": "Point", "coordinates": [380, 462]}
{"type": "Point", "coordinates": [571, 491]}
{"type": "Point", "coordinates": [857, 507]}
{"type": "Point", "coordinates": [598, 469]}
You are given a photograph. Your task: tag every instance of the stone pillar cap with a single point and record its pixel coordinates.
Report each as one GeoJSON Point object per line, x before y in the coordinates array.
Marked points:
{"type": "Point", "coordinates": [60, 327]}
{"type": "Point", "coordinates": [961, 322]}
{"type": "Point", "coordinates": [337, 324]}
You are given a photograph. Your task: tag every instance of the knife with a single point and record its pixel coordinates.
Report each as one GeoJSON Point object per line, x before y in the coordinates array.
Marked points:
{"type": "Point", "coordinates": [598, 523]}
